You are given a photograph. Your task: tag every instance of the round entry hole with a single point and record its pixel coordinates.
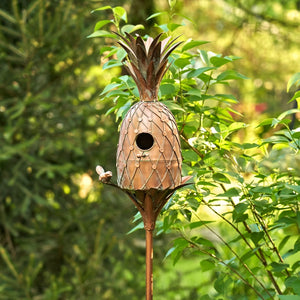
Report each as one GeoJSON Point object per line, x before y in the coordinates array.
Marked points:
{"type": "Point", "coordinates": [144, 141]}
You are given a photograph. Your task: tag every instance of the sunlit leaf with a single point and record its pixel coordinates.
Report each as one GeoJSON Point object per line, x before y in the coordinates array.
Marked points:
{"type": "Point", "coordinates": [232, 192]}
{"type": "Point", "coordinates": [219, 61]}
{"type": "Point", "coordinates": [230, 74]}
{"type": "Point", "coordinates": [101, 33]}
{"type": "Point", "coordinates": [192, 44]}
{"type": "Point", "coordinates": [120, 12]}
{"type": "Point", "coordinates": [195, 92]}
{"type": "Point", "coordinates": [219, 177]}
{"type": "Point", "coordinates": [102, 8]}
{"type": "Point", "coordinates": [110, 49]}
{"type": "Point", "coordinates": [173, 26]}
{"type": "Point", "coordinates": [100, 24]}
{"type": "Point", "coordinates": [288, 112]}
{"type": "Point", "coordinates": [173, 106]}
{"type": "Point", "coordinates": [198, 224]}
{"type": "Point", "coordinates": [112, 64]}
{"type": "Point", "coordinates": [137, 227]}
{"type": "Point", "coordinates": [265, 122]}
{"type": "Point", "coordinates": [295, 97]}
{"type": "Point", "coordinates": [197, 72]}
{"type": "Point", "coordinates": [204, 57]}
{"type": "Point", "coordinates": [156, 15]}
{"type": "Point", "coordinates": [131, 28]}
{"type": "Point", "coordinates": [226, 98]}
{"type": "Point", "coordinates": [294, 80]}
{"type": "Point", "coordinates": [181, 62]}
{"type": "Point", "coordinates": [110, 87]}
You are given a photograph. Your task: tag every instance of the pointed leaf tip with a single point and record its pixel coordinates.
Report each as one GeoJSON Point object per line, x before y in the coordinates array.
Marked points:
{"type": "Point", "coordinates": [294, 80]}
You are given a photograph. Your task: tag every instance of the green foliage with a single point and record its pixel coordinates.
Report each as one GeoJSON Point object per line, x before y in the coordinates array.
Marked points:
{"type": "Point", "coordinates": [240, 219]}
{"type": "Point", "coordinates": [58, 237]}
{"type": "Point", "coordinates": [237, 226]}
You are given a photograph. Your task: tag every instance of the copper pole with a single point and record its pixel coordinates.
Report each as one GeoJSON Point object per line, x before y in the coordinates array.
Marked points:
{"type": "Point", "coordinates": [149, 264]}
{"type": "Point", "coordinates": [149, 224]}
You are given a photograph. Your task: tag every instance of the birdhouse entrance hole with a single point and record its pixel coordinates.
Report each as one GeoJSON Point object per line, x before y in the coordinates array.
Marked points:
{"type": "Point", "coordinates": [144, 141]}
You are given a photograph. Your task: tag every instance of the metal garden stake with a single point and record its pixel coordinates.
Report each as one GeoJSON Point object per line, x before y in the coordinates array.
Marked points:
{"type": "Point", "coordinates": [148, 157]}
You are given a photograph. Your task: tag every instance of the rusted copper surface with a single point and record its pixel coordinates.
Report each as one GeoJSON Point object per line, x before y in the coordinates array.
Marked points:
{"type": "Point", "coordinates": [149, 264]}
{"type": "Point", "coordinates": [144, 167]}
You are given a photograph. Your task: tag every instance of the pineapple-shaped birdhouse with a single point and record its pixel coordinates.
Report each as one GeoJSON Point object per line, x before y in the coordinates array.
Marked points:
{"type": "Point", "coordinates": [148, 154]}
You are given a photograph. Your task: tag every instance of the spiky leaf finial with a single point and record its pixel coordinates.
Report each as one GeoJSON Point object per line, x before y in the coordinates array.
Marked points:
{"type": "Point", "coordinates": [147, 62]}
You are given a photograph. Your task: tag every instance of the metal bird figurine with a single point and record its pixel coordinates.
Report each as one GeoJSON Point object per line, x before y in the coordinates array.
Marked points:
{"type": "Point", "coordinates": [104, 177]}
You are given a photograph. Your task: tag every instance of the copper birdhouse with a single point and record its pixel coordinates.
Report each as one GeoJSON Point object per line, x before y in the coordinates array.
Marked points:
{"type": "Point", "coordinates": [148, 155]}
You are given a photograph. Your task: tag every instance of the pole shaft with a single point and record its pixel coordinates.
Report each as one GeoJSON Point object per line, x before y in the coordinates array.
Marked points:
{"type": "Point", "coordinates": [149, 264]}
{"type": "Point", "coordinates": [149, 224]}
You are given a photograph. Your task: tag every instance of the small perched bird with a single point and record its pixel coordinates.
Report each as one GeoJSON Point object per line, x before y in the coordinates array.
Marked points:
{"type": "Point", "coordinates": [104, 177]}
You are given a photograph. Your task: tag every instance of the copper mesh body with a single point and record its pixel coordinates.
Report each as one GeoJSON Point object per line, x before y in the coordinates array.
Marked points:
{"type": "Point", "coordinates": [148, 154]}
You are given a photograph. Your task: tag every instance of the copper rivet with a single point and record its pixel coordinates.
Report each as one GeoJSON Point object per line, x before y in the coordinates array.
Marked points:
{"type": "Point", "coordinates": [153, 167]}
{"type": "Point", "coordinates": [164, 133]}
{"type": "Point", "coordinates": [140, 119]}
{"type": "Point", "coordinates": [136, 131]}
{"type": "Point", "coordinates": [150, 120]}
{"type": "Point", "coordinates": [131, 148]}
{"type": "Point", "coordinates": [137, 165]}
{"type": "Point", "coordinates": [161, 150]}
{"type": "Point", "coordinates": [129, 119]}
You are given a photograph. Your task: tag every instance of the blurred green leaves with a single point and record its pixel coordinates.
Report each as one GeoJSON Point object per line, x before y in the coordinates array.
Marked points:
{"type": "Point", "coordinates": [239, 223]}
{"type": "Point", "coordinates": [56, 230]}
{"type": "Point", "coordinates": [237, 180]}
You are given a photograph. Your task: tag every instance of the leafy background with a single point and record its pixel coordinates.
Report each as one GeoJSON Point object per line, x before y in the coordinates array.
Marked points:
{"type": "Point", "coordinates": [64, 236]}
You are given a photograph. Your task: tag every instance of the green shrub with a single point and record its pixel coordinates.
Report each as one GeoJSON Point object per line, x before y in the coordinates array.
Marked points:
{"type": "Point", "coordinates": [240, 220]}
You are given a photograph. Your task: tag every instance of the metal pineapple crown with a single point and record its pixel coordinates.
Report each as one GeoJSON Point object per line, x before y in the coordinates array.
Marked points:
{"type": "Point", "coordinates": [147, 62]}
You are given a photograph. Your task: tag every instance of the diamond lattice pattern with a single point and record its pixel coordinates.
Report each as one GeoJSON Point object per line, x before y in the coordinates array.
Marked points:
{"type": "Point", "coordinates": [158, 167]}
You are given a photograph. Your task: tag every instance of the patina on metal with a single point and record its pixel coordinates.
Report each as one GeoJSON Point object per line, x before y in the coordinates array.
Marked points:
{"type": "Point", "coordinates": [148, 157]}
